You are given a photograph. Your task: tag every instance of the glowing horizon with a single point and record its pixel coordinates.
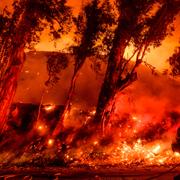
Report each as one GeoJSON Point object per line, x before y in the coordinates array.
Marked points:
{"type": "Point", "coordinates": [157, 57]}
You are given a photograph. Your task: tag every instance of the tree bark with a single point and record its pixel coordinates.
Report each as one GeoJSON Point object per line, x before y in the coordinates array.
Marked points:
{"type": "Point", "coordinates": [78, 65]}
{"type": "Point", "coordinates": [9, 84]}
{"type": "Point", "coordinates": [12, 64]}
{"type": "Point", "coordinates": [60, 126]}
{"type": "Point", "coordinates": [79, 61]}
{"type": "Point", "coordinates": [113, 73]}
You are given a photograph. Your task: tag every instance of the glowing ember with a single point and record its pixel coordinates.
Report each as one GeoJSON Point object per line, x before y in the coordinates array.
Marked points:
{"type": "Point", "coordinates": [125, 154]}
{"type": "Point", "coordinates": [49, 107]}
{"type": "Point", "coordinates": [27, 71]}
{"type": "Point", "coordinates": [95, 142]}
{"type": "Point", "coordinates": [50, 142]}
{"type": "Point", "coordinates": [40, 128]}
{"type": "Point", "coordinates": [93, 112]}
{"type": "Point", "coordinates": [134, 118]}
{"type": "Point", "coordinates": [124, 143]}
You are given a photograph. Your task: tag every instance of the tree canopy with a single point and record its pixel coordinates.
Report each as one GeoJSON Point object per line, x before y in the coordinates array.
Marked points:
{"type": "Point", "coordinates": [174, 62]}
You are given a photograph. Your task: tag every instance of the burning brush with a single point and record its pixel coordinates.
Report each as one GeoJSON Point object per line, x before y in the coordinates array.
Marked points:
{"type": "Point", "coordinates": [124, 144]}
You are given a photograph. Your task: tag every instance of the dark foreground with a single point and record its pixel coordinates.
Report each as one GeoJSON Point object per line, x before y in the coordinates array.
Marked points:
{"type": "Point", "coordinates": [105, 173]}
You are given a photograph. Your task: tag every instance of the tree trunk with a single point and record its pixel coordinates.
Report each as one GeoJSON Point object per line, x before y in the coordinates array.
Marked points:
{"type": "Point", "coordinates": [9, 83]}
{"type": "Point", "coordinates": [60, 126]}
{"type": "Point", "coordinates": [12, 64]}
{"type": "Point", "coordinates": [79, 61]}
{"type": "Point", "coordinates": [113, 74]}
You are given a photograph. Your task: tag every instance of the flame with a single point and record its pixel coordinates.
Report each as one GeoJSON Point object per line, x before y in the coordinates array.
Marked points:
{"type": "Point", "coordinates": [176, 154]}
{"type": "Point", "coordinates": [124, 154]}
{"type": "Point", "coordinates": [127, 148]}
{"type": "Point", "coordinates": [156, 149]}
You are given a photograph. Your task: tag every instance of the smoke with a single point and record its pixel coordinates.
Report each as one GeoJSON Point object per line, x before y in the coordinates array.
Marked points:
{"type": "Point", "coordinates": [32, 80]}
{"type": "Point", "coordinates": [141, 129]}
{"type": "Point", "coordinates": [148, 109]}
{"type": "Point", "coordinates": [148, 105]}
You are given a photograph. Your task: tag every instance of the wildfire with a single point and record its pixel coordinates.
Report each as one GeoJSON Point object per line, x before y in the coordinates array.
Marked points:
{"type": "Point", "coordinates": [124, 154]}
{"type": "Point", "coordinates": [129, 149]}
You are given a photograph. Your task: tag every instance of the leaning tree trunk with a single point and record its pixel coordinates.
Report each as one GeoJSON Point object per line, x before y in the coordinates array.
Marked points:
{"type": "Point", "coordinates": [60, 125]}
{"type": "Point", "coordinates": [9, 83]}
{"type": "Point", "coordinates": [114, 80]}
{"type": "Point", "coordinates": [108, 89]}
{"type": "Point", "coordinates": [113, 72]}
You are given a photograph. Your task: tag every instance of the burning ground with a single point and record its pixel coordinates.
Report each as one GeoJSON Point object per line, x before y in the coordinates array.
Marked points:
{"type": "Point", "coordinates": [142, 132]}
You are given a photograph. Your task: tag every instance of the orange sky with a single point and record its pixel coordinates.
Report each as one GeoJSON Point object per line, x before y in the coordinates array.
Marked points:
{"type": "Point", "coordinates": [157, 57]}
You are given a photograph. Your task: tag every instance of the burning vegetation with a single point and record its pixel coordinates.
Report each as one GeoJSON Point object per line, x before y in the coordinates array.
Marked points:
{"type": "Point", "coordinates": [129, 139]}
{"type": "Point", "coordinates": [134, 119]}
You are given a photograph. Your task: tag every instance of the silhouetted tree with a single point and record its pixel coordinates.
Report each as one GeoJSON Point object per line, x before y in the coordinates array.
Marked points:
{"type": "Point", "coordinates": [55, 64]}
{"type": "Point", "coordinates": [139, 26]}
{"type": "Point", "coordinates": [174, 62]}
{"type": "Point", "coordinates": [22, 30]}
{"type": "Point", "coordinates": [94, 21]}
